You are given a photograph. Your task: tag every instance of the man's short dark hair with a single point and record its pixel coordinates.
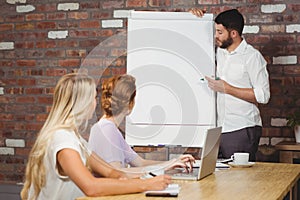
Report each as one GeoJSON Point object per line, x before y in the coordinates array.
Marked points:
{"type": "Point", "coordinates": [231, 20]}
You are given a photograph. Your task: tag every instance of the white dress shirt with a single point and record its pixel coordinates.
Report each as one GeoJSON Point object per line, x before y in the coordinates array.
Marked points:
{"type": "Point", "coordinates": [244, 67]}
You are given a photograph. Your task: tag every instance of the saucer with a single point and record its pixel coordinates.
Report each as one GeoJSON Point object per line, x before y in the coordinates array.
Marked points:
{"type": "Point", "coordinates": [249, 164]}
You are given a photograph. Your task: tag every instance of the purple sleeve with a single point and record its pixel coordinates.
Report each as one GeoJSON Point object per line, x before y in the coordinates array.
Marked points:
{"type": "Point", "coordinates": [107, 142]}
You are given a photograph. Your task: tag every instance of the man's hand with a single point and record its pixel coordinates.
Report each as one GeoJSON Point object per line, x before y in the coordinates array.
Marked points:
{"type": "Point", "coordinates": [216, 85]}
{"type": "Point", "coordinates": [198, 12]}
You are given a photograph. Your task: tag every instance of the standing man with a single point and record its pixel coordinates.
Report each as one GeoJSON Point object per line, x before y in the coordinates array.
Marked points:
{"type": "Point", "coordinates": [242, 83]}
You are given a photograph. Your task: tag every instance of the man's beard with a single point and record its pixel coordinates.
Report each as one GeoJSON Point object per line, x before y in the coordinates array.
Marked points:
{"type": "Point", "coordinates": [226, 43]}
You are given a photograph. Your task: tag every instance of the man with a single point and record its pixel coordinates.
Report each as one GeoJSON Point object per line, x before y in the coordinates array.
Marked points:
{"type": "Point", "coordinates": [242, 82]}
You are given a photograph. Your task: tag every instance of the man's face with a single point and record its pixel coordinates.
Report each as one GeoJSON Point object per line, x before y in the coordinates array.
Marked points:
{"type": "Point", "coordinates": [222, 36]}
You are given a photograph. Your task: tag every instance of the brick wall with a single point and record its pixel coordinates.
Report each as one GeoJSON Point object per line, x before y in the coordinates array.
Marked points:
{"type": "Point", "coordinates": [42, 40]}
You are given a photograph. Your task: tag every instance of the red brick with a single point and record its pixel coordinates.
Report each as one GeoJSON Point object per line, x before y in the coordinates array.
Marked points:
{"type": "Point", "coordinates": [35, 72]}
{"type": "Point", "coordinates": [67, 24]}
{"type": "Point", "coordinates": [25, 26]}
{"type": "Point", "coordinates": [24, 45]}
{"type": "Point", "coordinates": [89, 43]}
{"type": "Point", "coordinates": [137, 3]}
{"type": "Point", "coordinates": [56, 72]}
{"type": "Point", "coordinates": [67, 44]}
{"type": "Point", "coordinates": [45, 44]}
{"type": "Point", "coordinates": [102, 33]}
{"type": "Point", "coordinates": [44, 100]}
{"type": "Point", "coordinates": [4, 99]}
{"type": "Point", "coordinates": [6, 117]}
{"type": "Point", "coordinates": [48, 7]}
{"type": "Point", "coordinates": [6, 27]}
{"type": "Point", "coordinates": [14, 90]}
{"type": "Point", "coordinates": [27, 82]}
{"type": "Point", "coordinates": [41, 117]}
{"type": "Point", "coordinates": [46, 25]}
{"type": "Point", "coordinates": [34, 90]}
{"type": "Point", "coordinates": [35, 17]}
{"type": "Point", "coordinates": [69, 63]}
{"type": "Point", "coordinates": [34, 126]}
{"type": "Point", "coordinates": [76, 53]}
{"type": "Point", "coordinates": [89, 24]}
{"type": "Point", "coordinates": [78, 33]}
{"type": "Point", "coordinates": [294, 7]}
{"type": "Point", "coordinates": [209, 2]}
{"type": "Point", "coordinates": [25, 99]}
{"type": "Point", "coordinates": [92, 62]}
{"type": "Point", "coordinates": [101, 15]}
{"type": "Point", "coordinates": [55, 53]}
{"type": "Point", "coordinates": [26, 63]}
{"type": "Point", "coordinates": [157, 3]}
{"type": "Point", "coordinates": [89, 5]}
{"type": "Point", "coordinates": [6, 63]}
{"type": "Point", "coordinates": [292, 70]}
{"type": "Point", "coordinates": [56, 16]}
{"type": "Point", "coordinates": [114, 4]}
{"type": "Point", "coordinates": [14, 18]}
{"type": "Point", "coordinates": [78, 15]}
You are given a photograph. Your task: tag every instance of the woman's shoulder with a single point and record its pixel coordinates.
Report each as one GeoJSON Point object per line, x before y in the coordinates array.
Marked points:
{"type": "Point", "coordinates": [64, 135]}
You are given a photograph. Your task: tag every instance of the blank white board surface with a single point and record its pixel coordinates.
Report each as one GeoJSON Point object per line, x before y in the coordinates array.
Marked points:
{"type": "Point", "coordinates": [169, 53]}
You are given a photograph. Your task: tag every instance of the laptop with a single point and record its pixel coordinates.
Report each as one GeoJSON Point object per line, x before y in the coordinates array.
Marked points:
{"type": "Point", "coordinates": [209, 155]}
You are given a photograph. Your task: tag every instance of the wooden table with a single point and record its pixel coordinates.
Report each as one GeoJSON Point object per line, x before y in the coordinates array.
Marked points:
{"type": "Point", "coordinates": [267, 181]}
{"type": "Point", "coordinates": [288, 151]}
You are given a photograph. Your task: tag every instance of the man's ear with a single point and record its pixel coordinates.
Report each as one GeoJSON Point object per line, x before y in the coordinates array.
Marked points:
{"type": "Point", "coordinates": [234, 34]}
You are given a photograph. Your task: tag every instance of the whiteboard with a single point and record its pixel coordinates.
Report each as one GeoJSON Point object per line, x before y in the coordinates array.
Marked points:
{"type": "Point", "coordinates": [169, 53]}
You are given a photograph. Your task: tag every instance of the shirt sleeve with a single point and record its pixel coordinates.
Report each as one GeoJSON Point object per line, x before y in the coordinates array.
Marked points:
{"type": "Point", "coordinates": [108, 143]}
{"type": "Point", "coordinates": [259, 78]}
{"type": "Point", "coordinates": [63, 139]}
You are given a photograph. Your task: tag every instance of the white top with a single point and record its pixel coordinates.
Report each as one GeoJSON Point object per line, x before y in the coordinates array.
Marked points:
{"type": "Point", "coordinates": [108, 142]}
{"type": "Point", "coordinates": [58, 186]}
{"type": "Point", "coordinates": [245, 67]}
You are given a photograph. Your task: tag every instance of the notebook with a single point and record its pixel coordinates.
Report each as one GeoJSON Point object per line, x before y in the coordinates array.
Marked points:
{"type": "Point", "coordinates": [208, 160]}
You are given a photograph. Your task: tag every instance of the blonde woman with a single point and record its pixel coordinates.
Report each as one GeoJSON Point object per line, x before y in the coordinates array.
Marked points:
{"type": "Point", "coordinates": [117, 101]}
{"type": "Point", "coordinates": [59, 163]}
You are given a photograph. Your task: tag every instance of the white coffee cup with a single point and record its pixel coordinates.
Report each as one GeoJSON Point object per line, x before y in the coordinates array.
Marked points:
{"type": "Point", "coordinates": [240, 158]}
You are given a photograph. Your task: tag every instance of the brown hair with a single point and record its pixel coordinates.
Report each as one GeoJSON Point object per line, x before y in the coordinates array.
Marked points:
{"type": "Point", "coordinates": [118, 92]}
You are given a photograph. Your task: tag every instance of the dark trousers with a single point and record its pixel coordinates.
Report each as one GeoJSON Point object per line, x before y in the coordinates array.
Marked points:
{"type": "Point", "coordinates": [243, 140]}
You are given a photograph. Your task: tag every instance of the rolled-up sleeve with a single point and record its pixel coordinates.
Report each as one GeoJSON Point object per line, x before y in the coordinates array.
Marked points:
{"type": "Point", "coordinates": [260, 78]}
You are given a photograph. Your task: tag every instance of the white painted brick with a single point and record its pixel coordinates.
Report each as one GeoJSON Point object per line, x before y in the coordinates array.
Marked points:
{"type": "Point", "coordinates": [68, 6]}
{"type": "Point", "coordinates": [1, 90]}
{"type": "Point", "coordinates": [25, 9]}
{"type": "Point", "coordinates": [279, 122]}
{"type": "Point", "coordinates": [293, 28]}
{"type": "Point", "coordinates": [7, 151]}
{"type": "Point", "coordinates": [121, 13]}
{"type": "Point", "coordinates": [264, 141]}
{"type": "Point", "coordinates": [15, 1]}
{"type": "Point", "coordinates": [285, 60]}
{"type": "Point", "coordinates": [251, 29]}
{"type": "Point", "coordinates": [112, 23]}
{"type": "Point", "coordinates": [15, 142]}
{"type": "Point", "coordinates": [6, 45]}
{"type": "Point", "coordinates": [273, 8]}
{"type": "Point", "coordinates": [57, 34]}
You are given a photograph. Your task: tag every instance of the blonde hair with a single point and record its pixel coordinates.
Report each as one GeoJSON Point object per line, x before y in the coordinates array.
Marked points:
{"type": "Point", "coordinates": [71, 108]}
{"type": "Point", "coordinates": [118, 93]}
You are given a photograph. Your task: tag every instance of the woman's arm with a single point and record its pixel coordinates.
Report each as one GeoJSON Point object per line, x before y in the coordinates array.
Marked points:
{"type": "Point", "coordinates": [70, 164]}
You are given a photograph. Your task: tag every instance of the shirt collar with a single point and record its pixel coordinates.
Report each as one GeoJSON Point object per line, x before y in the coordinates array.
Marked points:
{"type": "Point", "coordinates": [241, 48]}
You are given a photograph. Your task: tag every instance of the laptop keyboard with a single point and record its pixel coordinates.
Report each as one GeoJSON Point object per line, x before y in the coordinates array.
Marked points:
{"type": "Point", "coordinates": [187, 174]}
